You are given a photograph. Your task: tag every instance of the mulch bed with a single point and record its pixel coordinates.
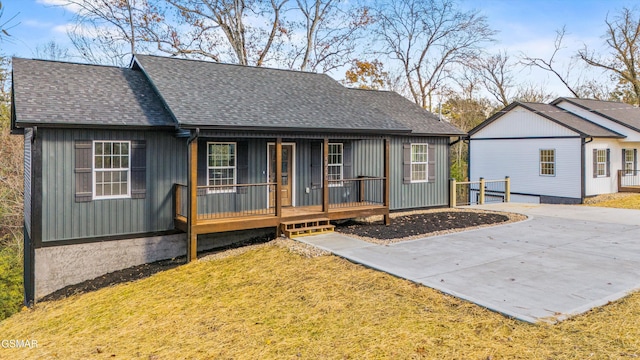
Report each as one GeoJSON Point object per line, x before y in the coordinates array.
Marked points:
{"type": "Point", "coordinates": [418, 224]}
{"type": "Point", "coordinates": [141, 271]}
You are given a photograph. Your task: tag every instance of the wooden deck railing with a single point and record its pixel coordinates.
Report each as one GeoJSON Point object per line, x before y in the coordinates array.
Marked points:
{"type": "Point", "coordinates": [629, 181]}
{"type": "Point", "coordinates": [241, 200]}
{"type": "Point", "coordinates": [479, 192]}
{"type": "Point", "coordinates": [227, 201]}
{"type": "Point", "coordinates": [362, 191]}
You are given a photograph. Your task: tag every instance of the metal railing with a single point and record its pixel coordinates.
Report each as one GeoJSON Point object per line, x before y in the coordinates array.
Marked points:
{"type": "Point", "coordinates": [629, 180]}
{"type": "Point", "coordinates": [362, 191]}
{"type": "Point", "coordinates": [227, 201]}
{"type": "Point", "coordinates": [479, 192]}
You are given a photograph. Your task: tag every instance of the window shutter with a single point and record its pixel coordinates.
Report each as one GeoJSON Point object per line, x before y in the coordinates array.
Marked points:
{"type": "Point", "coordinates": [624, 159]}
{"type": "Point", "coordinates": [595, 163]}
{"type": "Point", "coordinates": [83, 169]}
{"type": "Point", "coordinates": [138, 169]}
{"type": "Point", "coordinates": [431, 167]}
{"type": "Point", "coordinates": [242, 165]}
{"type": "Point", "coordinates": [635, 160]}
{"type": "Point", "coordinates": [203, 158]}
{"type": "Point", "coordinates": [608, 162]}
{"type": "Point", "coordinates": [347, 161]}
{"type": "Point", "coordinates": [316, 165]}
{"type": "Point", "coordinates": [406, 163]}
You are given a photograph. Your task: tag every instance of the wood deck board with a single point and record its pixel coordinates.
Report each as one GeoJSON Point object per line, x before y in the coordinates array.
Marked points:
{"type": "Point", "coordinates": [239, 221]}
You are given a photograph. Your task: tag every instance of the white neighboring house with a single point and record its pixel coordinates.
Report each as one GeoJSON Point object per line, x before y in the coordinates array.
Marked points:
{"type": "Point", "coordinates": [560, 152]}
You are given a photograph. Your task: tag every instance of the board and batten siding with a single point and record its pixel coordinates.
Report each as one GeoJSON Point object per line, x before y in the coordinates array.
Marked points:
{"type": "Point", "coordinates": [422, 194]}
{"type": "Point", "coordinates": [65, 219]}
{"type": "Point", "coordinates": [520, 160]}
{"type": "Point", "coordinates": [28, 135]}
{"type": "Point", "coordinates": [605, 185]}
{"type": "Point", "coordinates": [522, 123]}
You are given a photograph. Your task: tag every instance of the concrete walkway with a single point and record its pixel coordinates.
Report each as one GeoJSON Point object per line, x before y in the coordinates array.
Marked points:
{"type": "Point", "coordinates": [562, 261]}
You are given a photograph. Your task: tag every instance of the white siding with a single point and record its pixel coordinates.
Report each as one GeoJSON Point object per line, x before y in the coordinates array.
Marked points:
{"type": "Point", "coordinates": [520, 122]}
{"type": "Point", "coordinates": [632, 136]}
{"type": "Point", "coordinates": [605, 185]}
{"type": "Point", "coordinates": [519, 159]}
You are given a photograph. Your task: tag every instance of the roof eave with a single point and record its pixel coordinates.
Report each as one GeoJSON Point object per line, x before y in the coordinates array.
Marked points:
{"type": "Point", "coordinates": [295, 129]}
{"type": "Point", "coordinates": [622, 123]}
{"type": "Point", "coordinates": [24, 125]}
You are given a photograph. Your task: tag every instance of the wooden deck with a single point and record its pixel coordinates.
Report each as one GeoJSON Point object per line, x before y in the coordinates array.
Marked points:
{"type": "Point", "coordinates": [232, 222]}
{"type": "Point", "coordinates": [629, 189]}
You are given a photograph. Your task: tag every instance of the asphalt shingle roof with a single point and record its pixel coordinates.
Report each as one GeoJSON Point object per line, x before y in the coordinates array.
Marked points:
{"type": "Point", "coordinates": [558, 115]}
{"type": "Point", "coordinates": [407, 112]}
{"type": "Point", "coordinates": [51, 92]}
{"type": "Point", "coordinates": [221, 95]}
{"type": "Point", "coordinates": [622, 113]}
{"type": "Point", "coordinates": [571, 121]}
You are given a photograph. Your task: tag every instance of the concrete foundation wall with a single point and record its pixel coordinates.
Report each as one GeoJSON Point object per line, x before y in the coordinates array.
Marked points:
{"type": "Point", "coordinates": [60, 266]}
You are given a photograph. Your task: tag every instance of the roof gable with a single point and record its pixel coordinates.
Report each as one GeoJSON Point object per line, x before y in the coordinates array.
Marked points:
{"type": "Point", "coordinates": [558, 116]}
{"type": "Point", "coordinates": [66, 94]}
{"type": "Point", "coordinates": [233, 96]}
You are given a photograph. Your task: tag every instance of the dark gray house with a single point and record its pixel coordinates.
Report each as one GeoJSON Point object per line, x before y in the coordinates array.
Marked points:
{"type": "Point", "coordinates": [131, 165]}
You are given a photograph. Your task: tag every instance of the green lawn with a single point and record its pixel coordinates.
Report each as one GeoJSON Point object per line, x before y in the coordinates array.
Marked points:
{"type": "Point", "coordinates": [270, 303]}
{"type": "Point", "coordinates": [10, 279]}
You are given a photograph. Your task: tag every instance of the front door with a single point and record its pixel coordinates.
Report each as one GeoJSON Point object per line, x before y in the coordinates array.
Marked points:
{"type": "Point", "coordinates": [287, 173]}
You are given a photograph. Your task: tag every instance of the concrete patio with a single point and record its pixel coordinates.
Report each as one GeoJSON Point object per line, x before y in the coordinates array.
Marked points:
{"type": "Point", "coordinates": [562, 261]}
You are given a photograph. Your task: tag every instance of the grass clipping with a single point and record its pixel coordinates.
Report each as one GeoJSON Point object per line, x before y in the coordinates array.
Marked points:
{"type": "Point", "coordinates": [272, 303]}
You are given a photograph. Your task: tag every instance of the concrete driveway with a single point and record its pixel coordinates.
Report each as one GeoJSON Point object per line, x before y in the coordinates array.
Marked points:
{"type": "Point", "coordinates": [562, 261]}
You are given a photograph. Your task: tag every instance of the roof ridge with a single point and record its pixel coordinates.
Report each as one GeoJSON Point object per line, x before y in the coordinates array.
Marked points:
{"type": "Point", "coordinates": [238, 65]}
{"type": "Point", "coordinates": [69, 63]}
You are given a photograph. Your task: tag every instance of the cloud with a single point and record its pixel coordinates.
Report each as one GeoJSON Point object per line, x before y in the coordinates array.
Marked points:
{"type": "Point", "coordinates": [37, 23]}
{"type": "Point", "coordinates": [62, 3]}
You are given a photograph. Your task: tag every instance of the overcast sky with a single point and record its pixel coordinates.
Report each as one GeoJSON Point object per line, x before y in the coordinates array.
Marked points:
{"type": "Point", "coordinates": [524, 26]}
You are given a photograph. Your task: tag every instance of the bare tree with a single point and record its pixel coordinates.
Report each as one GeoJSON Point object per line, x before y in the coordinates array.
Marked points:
{"type": "Point", "coordinates": [107, 29]}
{"type": "Point", "coordinates": [428, 38]}
{"type": "Point", "coordinates": [496, 76]}
{"type": "Point", "coordinates": [550, 65]}
{"type": "Point", "coordinates": [529, 92]}
{"type": "Point", "coordinates": [622, 38]}
{"type": "Point", "coordinates": [219, 27]}
{"type": "Point", "coordinates": [51, 51]}
{"type": "Point", "coordinates": [5, 25]}
{"type": "Point", "coordinates": [332, 31]}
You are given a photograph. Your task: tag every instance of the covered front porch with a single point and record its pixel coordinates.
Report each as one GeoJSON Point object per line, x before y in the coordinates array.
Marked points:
{"type": "Point", "coordinates": [358, 187]}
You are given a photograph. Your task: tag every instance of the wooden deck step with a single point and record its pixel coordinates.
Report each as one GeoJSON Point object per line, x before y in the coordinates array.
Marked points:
{"type": "Point", "coordinates": [306, 227]}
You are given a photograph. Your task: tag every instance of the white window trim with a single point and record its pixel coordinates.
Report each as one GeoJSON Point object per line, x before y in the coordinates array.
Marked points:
{"type": "Point", "coordinates": [337, 183]}
{"type": "Point", "coordinates": [604, 174]}
{"type": "Point", "coordinates": [625, 162]}
{"type": "Point", "coordinates": [426, 163]}
{"type": "Point", "coordinates": [94, 171]}
{"type": "Point", "coordinates": [547, 162]}
{"type": "Point", "coordinates": [232, 189]}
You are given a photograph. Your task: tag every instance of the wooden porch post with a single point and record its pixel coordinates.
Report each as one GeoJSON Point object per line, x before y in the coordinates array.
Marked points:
{"type": "Point", "coordinates": [278, 166]}
{"type": "Point", "coordinates": [387, 182]}
{"type": "Point", "coordinates": [192, 217]}
{"type": "Point", "coordinates": [325, 176]}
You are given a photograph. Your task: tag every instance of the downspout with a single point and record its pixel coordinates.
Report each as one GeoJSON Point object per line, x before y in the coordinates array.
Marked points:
{"type": "Point", "coordinates": [468, 141]}
{"type": "Point", "coordinates": [583, 176]}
